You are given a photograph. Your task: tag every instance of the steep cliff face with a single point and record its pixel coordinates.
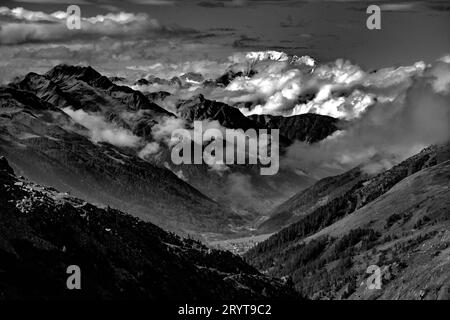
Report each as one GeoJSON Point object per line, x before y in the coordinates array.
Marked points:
{"type": "Point", "coordinates": [43, 232]}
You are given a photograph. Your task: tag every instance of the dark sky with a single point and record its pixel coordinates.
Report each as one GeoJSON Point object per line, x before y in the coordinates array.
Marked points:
{"type": "Point", "coordinates": [325, 30]}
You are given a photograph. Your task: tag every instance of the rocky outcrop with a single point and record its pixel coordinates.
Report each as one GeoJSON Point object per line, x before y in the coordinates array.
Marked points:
{"type": "Point", "coordinates": [306, 127]}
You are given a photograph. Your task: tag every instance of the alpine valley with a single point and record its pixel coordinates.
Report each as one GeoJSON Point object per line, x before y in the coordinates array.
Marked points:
{"type": "Point", "coordinates": [86, 175]}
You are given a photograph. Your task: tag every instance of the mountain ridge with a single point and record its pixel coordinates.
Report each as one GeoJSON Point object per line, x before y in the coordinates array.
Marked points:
{"type": "Point", "coordinates": [40, 138]}
{"type": "Point", "coordinates": [382, 220]}
{"type": "Point", "coordinates": [44, 231]}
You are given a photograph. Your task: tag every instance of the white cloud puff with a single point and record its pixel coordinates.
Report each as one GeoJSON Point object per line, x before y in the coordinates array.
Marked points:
{"type": "Point", "coordinates": [36, 26]}
{"type": "Point", "coordinates": [385, 134]}
{"type": "Point", "coordinates": [102, 131]}
{"type": "Point", "coordinates": [340, 88]}
{"type": "Point", "coordinates": [440, 74]}
{"type": "Point", "coordinates": [149, 149]}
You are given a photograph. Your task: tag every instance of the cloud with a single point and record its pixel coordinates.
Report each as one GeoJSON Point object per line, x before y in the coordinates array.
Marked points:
{"type": "Point", "coordinates": [55, 1]}
{"type": "Point", "coordinates": [162, 131]}
{"type": "Point", "coordinates": [245, 41]}
{"type": "Point", "coordinates": [279, 84]}
{"type": "Point", "coordinates": [150, 149]}
{"type": "Point", "coordinates": [211, 4]}
{"type": "Point", "coordinates": [385, 134]}
{"type": "Point", "coordinates": [155, 2]}
{"type": "Point", "coordinates": [36, 26]}
{"type": "Point", "coordinates": [210, 69]}
{"type": "Point", "coordinates": [285, 85]}
{"type": "Point", "coordinates": [438, 6]}
{"type": "Point", "coordinates": [102, 131]}
{"type": "Point", "coordinates": [407, 6]}
{"type": "Point", "coordinates": [222, 3]}
{"type": "Point", "coordinates": [441, 76]}
{"type": "Point", "coordinates": [240, 189]}
{"type": "Point", "coordinates": [21, 14]}
{"type": "Point", "coordinates": [277, 87]}
{"type": "Point", "coordinates": [128, 58]}
{"type": "Point", "coordinates": [445, 59]}
{"type": "Point", "coordinates": [342, 107]}
{"type": "Point", "coordinates": [393, 112]}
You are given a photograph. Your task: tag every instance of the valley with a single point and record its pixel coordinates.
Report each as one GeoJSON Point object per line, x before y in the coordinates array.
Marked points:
{"type": "Point", "coordinates": [75, 131]}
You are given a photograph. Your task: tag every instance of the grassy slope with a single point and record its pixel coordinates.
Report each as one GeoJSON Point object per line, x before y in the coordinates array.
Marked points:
{"type": "Point", "coordinates": [400, 222]}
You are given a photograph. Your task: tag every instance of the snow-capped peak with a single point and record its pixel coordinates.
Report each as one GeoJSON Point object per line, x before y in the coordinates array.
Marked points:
{"type": "Point", "coordinates": [280, 56]}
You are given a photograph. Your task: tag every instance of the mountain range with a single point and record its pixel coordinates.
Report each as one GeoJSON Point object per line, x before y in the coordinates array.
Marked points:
{"type": "Point", "coordinates": [46, 145]}
{"type": "Point", "coordinates": [44, 231]}
{"type": "Point", "coordinates": [54, 140]}
{"type": "Point", "coordinates": [86, 176]}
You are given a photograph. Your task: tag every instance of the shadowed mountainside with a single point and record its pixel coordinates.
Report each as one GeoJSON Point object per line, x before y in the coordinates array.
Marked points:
{"type": "Point", "coordinates": [307, 127]}
{"type": "Point", "coordinates": [43, 231]}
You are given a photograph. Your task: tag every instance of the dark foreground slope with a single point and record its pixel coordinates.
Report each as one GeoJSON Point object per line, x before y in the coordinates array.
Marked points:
{"type": "Point", "coordinates": [398, 220]}
{"type": "Point", "coordinates": [42, 232]}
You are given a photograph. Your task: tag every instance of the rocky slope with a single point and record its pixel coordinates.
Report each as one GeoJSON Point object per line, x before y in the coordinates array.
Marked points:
{"type": "Point", "coordinates": [85, 88]}
{"type": "Point", "coordinates": [198, 108]}
{"type": "Point", "coordinates": [306, 127]}
{"type": "Point", "coordinates": [44, 144]}
{"type": "Point", "coordinates": [397, 220]}
{"type": "Point", "coordinates": [43, 231]}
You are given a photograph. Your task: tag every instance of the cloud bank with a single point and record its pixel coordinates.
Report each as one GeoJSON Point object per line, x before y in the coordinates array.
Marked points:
{"type": "Point", "coordinates": [388, 132]}
{"type": "Point", "coordinates": [339, 89]}
{"type": "Point", "coordinates": [102, 131]}
{"type": "Point", "coordinates": [22, 26]}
